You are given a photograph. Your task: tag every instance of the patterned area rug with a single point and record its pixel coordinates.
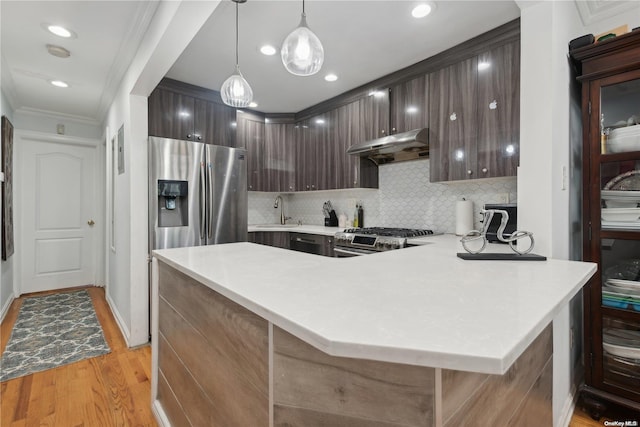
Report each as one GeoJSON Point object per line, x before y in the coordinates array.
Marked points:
{"type": "Point", "coordinates": [51, 331]}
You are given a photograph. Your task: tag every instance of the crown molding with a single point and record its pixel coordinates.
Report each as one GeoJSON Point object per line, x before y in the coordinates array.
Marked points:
{"type": "Point", "coordinates": [597, 10]}
{"type": "Point", "coordinates": [35, 112]}
{"type": "Point", "coordinates": [126, 53]}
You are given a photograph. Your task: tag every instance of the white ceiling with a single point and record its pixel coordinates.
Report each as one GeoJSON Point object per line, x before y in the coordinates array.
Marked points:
{"type": "Point", "coordinates": [108, 35]}
{"type": "Point", "coordinates": [362, 39]}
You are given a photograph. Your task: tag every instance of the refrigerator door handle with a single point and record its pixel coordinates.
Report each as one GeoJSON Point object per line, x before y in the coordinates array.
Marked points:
{"type": "Point", "coordinates": [210, 202]}
{"type": "Point", "coordinates": [203, 198]}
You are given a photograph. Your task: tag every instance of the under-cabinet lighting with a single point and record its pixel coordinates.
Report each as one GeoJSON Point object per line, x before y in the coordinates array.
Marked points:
{"type": "Point", "coordinates": [320, 121]}
{"type": "Point", "coordinates": [510, 149]}
{"type": "Point", "coordinates": [412, 109]}
{"type": "Point", "coordinates": [331, 77]}
{"type": "Point", "coordinates": [459, 155]}
{"type": "Point", "coordinates": [253, 104]}
{"type": "Point", "coordinates": [483, 65]}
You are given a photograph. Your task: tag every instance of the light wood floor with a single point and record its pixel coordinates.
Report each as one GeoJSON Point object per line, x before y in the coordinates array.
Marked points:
{"type": "Point", "coordinates": [109, 390]}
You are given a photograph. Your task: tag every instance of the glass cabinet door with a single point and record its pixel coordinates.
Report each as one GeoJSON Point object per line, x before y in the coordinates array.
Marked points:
{"type": "Point", "coordinates": [620, 117]}
{"type": "Point", "coordinates": [621, 352]}
{"type": "Point", "coordinates": [621, 274]}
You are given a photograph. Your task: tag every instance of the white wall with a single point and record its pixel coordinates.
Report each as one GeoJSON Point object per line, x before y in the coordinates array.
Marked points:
{"type": "Point", "coordinates": [173, 26]}
{"type": "Point", "coordinates": [6, 267]}
{"type": "Point", "coordinates": [545, 135]}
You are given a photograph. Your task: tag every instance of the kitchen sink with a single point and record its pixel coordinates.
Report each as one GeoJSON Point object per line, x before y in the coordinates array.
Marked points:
{"type": "Point", "coordinates": [276, 225]}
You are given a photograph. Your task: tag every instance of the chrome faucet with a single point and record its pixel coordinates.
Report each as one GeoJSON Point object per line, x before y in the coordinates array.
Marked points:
{"type": "Point", "coordinates": [279, 202]}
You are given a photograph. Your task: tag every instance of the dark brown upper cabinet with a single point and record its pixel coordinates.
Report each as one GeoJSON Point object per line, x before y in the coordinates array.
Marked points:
{"type": "Point", "coordinates": [474, 119]}
{"type": "Point", "coordinates": [499, 111]}
{"type": "Point", "coordinates": [177, 115]}
{"type": "Point", "coordinates": [279, 157]}
{"type": "Point", "coordinates": [251, 136]}
{"type": "Point", "coordinates": [453, 122]}
{"type": "Point", "coordinates": [409, 102]}
{"type": "Point", "coordinates": [216, 123]}
{"type": "Point", "coordinates": [172, 115]}
{"type": "Point", "coordinates": [374, 115]}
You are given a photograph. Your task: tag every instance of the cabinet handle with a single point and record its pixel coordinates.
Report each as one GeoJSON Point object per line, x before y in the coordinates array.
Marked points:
{"type": "Point", "coordinates": [493, 105]}
{"type": "Point", "coordinates": [199, 138]}
{"type": "Point", "coordinates": [469, 172]}
{"type": "Point", "coordinates": [485, 170]}
{"type": "Point", "coordinates": [313, 187]}
{"type": "Point", "coordinates": [393, 129]}
{"type": "Point", "coordinates": [382, 131]}
{"type": "Point", "coordinates": [291, 187]}
{"type": "Point", "coordinates": [307, 187]}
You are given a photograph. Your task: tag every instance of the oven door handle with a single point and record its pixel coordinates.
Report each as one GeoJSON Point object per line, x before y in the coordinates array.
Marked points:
{"type": "Point", "coordinates": [346, 252]}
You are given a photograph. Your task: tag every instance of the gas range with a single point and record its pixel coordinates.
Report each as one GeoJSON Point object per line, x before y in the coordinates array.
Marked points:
{"type": "Point", "coordinates": [365, 241]}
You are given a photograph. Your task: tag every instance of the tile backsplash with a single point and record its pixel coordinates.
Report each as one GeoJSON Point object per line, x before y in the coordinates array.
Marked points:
{"type": "Point", "coordinates": [405, 198]}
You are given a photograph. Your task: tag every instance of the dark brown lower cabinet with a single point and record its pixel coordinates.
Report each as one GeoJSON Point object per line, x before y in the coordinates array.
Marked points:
{"type": "Point", "coordinates": [279, 239]}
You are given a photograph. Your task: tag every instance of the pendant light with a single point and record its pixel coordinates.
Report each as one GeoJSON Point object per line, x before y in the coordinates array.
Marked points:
{"type": "Point", "coordinates": [302, 53]}
{"type": "Point", "coordinates": [235, 91]}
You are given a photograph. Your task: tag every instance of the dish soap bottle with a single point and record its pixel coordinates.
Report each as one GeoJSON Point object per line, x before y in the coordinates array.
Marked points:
{"type": "Point", "coordinates": [355, 218]}
{"type": "Point", "coordinates": [360, 215]}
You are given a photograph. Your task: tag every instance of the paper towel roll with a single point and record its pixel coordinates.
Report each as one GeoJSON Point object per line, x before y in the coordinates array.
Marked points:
{"type": "Point", "coordinates": [464, 217]}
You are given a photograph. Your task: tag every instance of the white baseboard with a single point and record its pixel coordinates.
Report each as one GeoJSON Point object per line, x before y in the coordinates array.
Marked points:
{"type": "Point", "coordinates": [568, 408]}
{"type": "Point", "coordinates": [5, 308]}
{"type": "Point", "coordinates": [160, 415]}
{"type": "Point", "coordinates": [121, 323]}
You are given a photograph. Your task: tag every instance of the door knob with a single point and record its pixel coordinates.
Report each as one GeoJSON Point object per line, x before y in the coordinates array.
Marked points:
{"type": "Point", "coordinates": [91, 223]}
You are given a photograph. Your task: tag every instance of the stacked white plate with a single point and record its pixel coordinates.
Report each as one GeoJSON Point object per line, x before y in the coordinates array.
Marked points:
{"type": "Point", "coordinates": [622, 343]}
{"type": "Point", "coordinates": [620, 198]}
{"type": "Point", "coordinates": [624, 287]}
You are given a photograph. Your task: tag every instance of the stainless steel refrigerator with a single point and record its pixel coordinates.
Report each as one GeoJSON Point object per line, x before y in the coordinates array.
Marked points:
{"type": "Point", "coordinates": [197, 194]}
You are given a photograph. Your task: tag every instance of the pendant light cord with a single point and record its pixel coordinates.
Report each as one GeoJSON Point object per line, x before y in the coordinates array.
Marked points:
{"type": "Point", "coordinates": [303, 7]}
{"type": "Point", "coordinates": [237, 61]}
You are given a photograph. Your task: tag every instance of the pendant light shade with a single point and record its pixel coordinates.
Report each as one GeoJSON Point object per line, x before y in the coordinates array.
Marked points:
{"type": "Point", "coordinates": [302, 53]}
{"type": "Point", "coordinates": [236, 91]}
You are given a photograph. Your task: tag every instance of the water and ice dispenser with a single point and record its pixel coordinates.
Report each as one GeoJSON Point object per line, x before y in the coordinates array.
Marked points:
{"type": "Point", "coordinates": [173, 206]}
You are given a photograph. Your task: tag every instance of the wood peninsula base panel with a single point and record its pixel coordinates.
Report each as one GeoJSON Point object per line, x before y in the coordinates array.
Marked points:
{"type": "Point", "coordinates": [521, 397]}
{"type": "Point", "coordinates": [213, 356]}
{"type": "Point", "coordinates": [313, 389]}
{"type": "Point", "coordinates": [219, 364]}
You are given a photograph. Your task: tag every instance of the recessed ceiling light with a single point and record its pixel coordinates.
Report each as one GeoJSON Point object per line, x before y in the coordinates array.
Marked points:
{"type": "Point", "coordinates": [59, 83]}
{"type": "Point", "coordinates": [483, 65]}
{"type": "Point", "coordinates": [253, 104]}
{"type": "Point", "coordinates": [268, 50]}
{"type": "Point", "coordinates": [331, 77]}
{"type": "Point", "coordinates": [421, 10]}
{"type": "Point", "coordinates": [60, 31]}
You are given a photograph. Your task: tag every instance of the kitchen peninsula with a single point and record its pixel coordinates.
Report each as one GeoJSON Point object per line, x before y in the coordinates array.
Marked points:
{"type": "Point", "coordinates": [246, 334]}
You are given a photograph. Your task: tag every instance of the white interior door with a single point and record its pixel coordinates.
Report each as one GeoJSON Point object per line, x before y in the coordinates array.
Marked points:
{"type": "Point", "coordinates": [57, 186]}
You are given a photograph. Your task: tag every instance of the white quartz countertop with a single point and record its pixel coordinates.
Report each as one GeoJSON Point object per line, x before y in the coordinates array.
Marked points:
{"type": "Point", "coordinates": [420, 305]}
{"type": "Point", "coordinates": [294, 228]}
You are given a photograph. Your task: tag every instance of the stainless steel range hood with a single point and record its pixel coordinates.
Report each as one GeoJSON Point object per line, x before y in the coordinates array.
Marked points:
{"type": "Point", "coordinates": [399, 147]}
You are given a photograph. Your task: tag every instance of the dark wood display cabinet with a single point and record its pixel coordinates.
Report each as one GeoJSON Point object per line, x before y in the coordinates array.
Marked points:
{"type": "Point", "coordinates": [610, 75]}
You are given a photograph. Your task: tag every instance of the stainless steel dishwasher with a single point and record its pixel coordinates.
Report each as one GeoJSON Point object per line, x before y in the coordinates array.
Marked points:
{"type": "Point", "coordinates": [311, 243]}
